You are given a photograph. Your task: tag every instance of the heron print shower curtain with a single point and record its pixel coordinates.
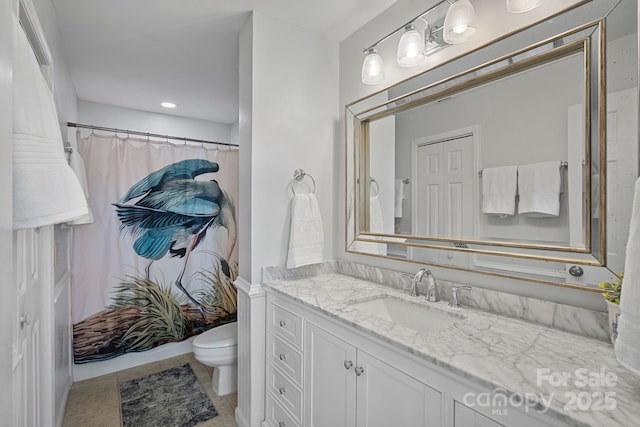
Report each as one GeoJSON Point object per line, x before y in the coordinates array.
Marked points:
{"type": "Point", "coordinates": [158, 264]}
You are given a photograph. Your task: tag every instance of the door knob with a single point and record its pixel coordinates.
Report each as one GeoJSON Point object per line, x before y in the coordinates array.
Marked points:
{"type": "Point", "coordinates": [348, 364]}
{"type": "Point", "coordinates": [359, 370]}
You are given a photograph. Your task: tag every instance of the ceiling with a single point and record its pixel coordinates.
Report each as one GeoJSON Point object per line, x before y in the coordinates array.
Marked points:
{"type": "Point", "coordinates": [138, 53]}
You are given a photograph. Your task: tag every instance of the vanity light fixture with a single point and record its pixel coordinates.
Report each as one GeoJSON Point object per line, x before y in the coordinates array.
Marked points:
{"type": "Point", "coordinates": [372, 67]}
{"type": "Point", "coordinates": [519, 6]}
{"type": "Point", "coordinates": [460, 22]}
{"type": "Point", "coordinates": [167, 104]}
{"type": "Point", "coordinates": [410, 47]}
{"type": "Point", "coordinates": [414, 46]}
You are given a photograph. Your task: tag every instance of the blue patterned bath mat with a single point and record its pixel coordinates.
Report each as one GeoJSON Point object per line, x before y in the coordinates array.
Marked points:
{"type": "Point", "coordinates": [169, 398]}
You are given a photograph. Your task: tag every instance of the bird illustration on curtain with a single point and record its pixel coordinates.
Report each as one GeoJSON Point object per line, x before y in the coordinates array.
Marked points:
{"type": "Point", "coordinates": [173, 213]}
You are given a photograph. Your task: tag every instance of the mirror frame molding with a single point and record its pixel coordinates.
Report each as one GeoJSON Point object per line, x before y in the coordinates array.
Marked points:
{"type": "Point", "coordinates": [595, 91]}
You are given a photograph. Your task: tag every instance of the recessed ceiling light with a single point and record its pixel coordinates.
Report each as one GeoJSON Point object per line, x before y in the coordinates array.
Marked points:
{"type": "Point", "coordinates": [168, 105]}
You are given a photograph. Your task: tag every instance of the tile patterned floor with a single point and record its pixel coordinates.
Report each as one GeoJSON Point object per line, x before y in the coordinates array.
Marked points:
{"type": "Point", "coordinates": [96, 402]}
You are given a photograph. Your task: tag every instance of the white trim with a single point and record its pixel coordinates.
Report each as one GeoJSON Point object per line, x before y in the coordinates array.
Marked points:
{"type": "Point", "coordinates": [252, 290]}
{"type": "Point", "coordinates": [30, 23]}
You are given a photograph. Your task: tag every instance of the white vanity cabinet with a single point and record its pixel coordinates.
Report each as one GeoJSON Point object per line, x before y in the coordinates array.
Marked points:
{"type": "Point", "coordinates": [346, 386]}
{"type": "Point", "coordinates": [322, 372]}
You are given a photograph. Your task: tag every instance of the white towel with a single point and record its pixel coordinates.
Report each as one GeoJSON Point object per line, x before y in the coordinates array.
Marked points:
{"type": "Point", "coordinates": [499, 187]}
{"type": "Point", "coordinates": [77, 165]}
{"type": "Point", "coordinates": [306, 239]}
{"type": "Point", "coordinates": [627, 345]}
{"type": "Point", "coordinates": [399, 197]}
{"type": "Point", "coordinates": [45, 189]}
{"type": "Point", "coordinates": [539, 189]}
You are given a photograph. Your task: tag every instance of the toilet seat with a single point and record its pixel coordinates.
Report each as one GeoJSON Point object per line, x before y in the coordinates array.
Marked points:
{"type": "Point", "coordinates": [218, 337]}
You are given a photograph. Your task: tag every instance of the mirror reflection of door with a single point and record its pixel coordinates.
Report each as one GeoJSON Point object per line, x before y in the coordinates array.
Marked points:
{"type": "Point", "coordinates": [444, 204]}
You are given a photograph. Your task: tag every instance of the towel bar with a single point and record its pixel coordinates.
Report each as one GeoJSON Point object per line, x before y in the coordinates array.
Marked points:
{"type": "Point", "coordinates": [562, 165]}
{"type": "Point", "coordinates": [299, 175]}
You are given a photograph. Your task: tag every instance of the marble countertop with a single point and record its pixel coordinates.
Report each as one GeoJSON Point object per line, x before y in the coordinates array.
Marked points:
{"type": "Point", "coordinates": [575, 379]}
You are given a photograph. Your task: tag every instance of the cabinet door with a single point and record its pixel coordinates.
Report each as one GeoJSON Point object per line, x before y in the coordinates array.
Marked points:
{"type": "Point", "coordinates": [464, 416]}
{"type": "Point", "coordinates": [330, 384]}
{"type": "Point", "coordinates": [387, 397]}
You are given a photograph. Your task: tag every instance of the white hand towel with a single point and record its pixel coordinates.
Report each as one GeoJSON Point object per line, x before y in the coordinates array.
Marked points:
{"type": "Point", "coordinates": [399, 197]}
{"type": "Point", "coordinates": [77, 165]}
{"type": "Point", "coordinates": [627, 345]}
{"type": "Point", "coordinates": [306, 239]}
{"type": "Point", "coordinates": [539, 189]}
{"type": "Point", "coordinates": [45, 189]}
{"type": "Point", "coordinates": [499, 187]}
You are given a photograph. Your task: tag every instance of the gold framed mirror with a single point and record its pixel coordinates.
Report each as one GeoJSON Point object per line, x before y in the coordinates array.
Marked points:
{"type": "Point", "coordinates": [451, 140]}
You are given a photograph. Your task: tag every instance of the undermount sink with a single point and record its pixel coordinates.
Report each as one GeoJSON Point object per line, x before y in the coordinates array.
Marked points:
{"type": "Point", "coordinates": [405, 313]}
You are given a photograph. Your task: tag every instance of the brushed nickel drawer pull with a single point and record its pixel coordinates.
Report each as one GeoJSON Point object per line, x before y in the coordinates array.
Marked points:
{"type": "Point", "coordinates": [282, 356]}
{"type": "Point", "coordinates": [282, 390]}
{"type": "Point", "coordinates": [283, 323]}
{"type": "Point", "coordinates": [348, 364]}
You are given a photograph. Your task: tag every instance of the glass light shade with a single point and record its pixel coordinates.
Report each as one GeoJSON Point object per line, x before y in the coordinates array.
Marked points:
{"type": "Point", "coordinates": [460, 22]}
{"type": "Point", "coordinates": [410, 47]}
{"type": "Point", "coordinates": [372, 68]}
{"type": "Point", "coordinates": [519, 6]}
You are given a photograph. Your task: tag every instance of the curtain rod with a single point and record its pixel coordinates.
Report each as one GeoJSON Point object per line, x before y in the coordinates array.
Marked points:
{"type": "Point", "coordinates": [147, 134]}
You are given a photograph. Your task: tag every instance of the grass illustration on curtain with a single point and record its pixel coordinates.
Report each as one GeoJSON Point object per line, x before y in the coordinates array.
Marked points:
{"type": "Point", "coordinates": [169, 213]}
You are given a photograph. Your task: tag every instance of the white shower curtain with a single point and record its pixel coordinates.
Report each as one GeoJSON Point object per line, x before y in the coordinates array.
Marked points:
{"type": "Point", "coordinates": [103, 252]}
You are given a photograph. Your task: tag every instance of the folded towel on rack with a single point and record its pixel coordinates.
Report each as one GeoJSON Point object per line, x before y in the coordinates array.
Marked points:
{"type": "Point", "coordinates": [77, 165]}
{"type": "Point", "coordinates": [627, 345]}
{"type": "Point", "coordinates": [306, 238]}
{"type": "Point", "coordinates": [45, 189]}
{"type": "Point", "coordinates": [399, 197]}
{"type": "Point", "coordinates": [539, 189]}
{"type": "Point", "coordinates": [499, 187]}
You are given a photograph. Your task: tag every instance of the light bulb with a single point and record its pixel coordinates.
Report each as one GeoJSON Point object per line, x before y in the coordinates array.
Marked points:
{"type": "Point", "coordinates": [372, 67]}
{"type": "Point", "coordinates": [410, 47]}
{"type": "Point", "coordinates": [519, 6]}
{"type": "Point", "coordinates": [460, 22]}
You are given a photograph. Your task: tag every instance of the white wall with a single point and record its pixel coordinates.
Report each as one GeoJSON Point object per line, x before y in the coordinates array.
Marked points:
{"type": "Point", "coordinates": [287, 120]}
{"type": "Point", "coordinates": [92, 113]}
{"type": "Point", "coordinates": [8, 300]}
{"type": "Point", "coordinates": [293, 117]}
{"type": "Point", "coordinates": [351, 89]}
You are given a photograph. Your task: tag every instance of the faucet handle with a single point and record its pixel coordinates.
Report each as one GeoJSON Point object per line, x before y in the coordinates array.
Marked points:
{"type": "Point", "coordinates": [454, 295]}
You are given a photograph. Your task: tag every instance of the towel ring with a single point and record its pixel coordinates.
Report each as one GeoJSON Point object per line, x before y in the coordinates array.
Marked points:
{"type": "Point", "coordinates": [373, 181]}
{"type": "Point", "coordinates": [299, 175]}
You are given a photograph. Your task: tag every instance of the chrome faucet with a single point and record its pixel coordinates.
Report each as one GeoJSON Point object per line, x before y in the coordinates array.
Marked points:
{"type": "Point", "coordinates": [454, 295]}
{"type": "Point", "coordinates": [414, 283]}
{"type": "Point", "coordinates": [431, 287]}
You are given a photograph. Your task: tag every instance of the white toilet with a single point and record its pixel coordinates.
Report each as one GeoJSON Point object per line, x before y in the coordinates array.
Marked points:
{"type": "Point", "coordinates": [218, 347]}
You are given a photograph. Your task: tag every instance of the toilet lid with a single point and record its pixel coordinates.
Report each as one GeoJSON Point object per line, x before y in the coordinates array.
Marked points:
{"type": "Point", "coordinates": [218, 337]}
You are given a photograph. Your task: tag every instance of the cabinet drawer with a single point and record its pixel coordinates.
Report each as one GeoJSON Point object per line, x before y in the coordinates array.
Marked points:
{"type": "Point", "coordinates": [285, 357]}
{"type": "Point", "coordinates": [277, 416]}
{"type": "Point", "coordinates": [285, 323]}
{"type": "Point", "coordinates": [285, 392]}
